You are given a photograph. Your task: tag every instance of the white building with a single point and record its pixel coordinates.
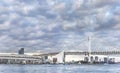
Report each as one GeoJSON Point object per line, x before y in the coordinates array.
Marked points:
{"type": "Point", "coordinates": [61, 57]}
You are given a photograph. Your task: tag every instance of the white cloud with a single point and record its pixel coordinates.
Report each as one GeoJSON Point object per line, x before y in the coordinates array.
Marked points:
{"type": "Point", "coordinates": [58, 24]}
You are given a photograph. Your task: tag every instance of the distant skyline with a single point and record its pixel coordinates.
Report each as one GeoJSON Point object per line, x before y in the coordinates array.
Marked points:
{"type": "Point", "coordinates": [56, 25]}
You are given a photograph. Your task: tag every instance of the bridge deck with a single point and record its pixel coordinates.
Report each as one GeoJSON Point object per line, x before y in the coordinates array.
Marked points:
{"type": "Point", "coordinates": [93, 53]}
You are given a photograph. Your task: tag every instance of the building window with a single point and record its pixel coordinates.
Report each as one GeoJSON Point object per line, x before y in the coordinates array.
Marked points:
{"type": "Point", "coordinates": [46, 57]}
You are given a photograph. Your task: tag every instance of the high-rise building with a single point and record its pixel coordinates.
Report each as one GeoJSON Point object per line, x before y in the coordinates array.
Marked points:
{"type": "Point", "coordinates": [21, 51]}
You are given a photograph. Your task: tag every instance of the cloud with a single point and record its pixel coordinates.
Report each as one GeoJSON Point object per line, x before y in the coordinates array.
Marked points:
{"type": "Point", "coordinates": [58, 24]}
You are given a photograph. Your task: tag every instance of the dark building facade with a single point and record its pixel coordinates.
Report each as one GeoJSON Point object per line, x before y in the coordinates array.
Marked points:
{"type": "Point", "coordinates": [21, 51]}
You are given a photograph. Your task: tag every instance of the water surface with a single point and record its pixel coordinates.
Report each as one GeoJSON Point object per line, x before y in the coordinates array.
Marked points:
{"type": "Point", "coordinates": [113, 68]}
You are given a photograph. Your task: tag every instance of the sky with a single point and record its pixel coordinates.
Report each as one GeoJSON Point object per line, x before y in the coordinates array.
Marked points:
{"type": "Point", "coordinates": [56, 25]}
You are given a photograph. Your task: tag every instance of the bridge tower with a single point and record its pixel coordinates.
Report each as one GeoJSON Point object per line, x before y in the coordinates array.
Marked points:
{"type": "Point", "coordinates": [89, 49]}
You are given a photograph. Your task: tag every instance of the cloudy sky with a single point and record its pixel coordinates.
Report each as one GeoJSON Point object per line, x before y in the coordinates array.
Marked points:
{"type": "Point", "coordinates": [55, 25]}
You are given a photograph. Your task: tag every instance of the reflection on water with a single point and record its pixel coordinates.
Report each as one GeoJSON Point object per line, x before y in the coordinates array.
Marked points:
{"type": "Point", "coordinates": [113, 68]}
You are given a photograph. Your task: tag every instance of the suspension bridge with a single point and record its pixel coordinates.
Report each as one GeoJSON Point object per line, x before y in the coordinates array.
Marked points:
{"type": "Point", "coordinates": [38, 59]}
